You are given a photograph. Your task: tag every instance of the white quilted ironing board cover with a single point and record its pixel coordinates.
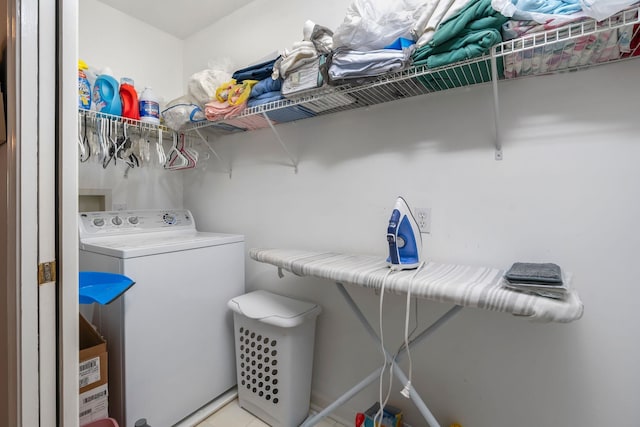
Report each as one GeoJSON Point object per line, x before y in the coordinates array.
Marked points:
{"type": "Point", "coordinates": [480, 287]}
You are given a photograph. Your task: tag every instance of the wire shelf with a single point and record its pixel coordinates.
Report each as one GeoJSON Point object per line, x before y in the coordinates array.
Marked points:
{"type": "Point", "coordinates": [138, 124]}
{"type": "Point", "coordinates": [575, 45]}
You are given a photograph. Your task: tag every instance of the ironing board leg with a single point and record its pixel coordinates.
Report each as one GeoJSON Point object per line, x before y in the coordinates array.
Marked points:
{"type": "Point", "coordinates": [312, 420]}
{"type": "Point", "coordinates": [415, 397]}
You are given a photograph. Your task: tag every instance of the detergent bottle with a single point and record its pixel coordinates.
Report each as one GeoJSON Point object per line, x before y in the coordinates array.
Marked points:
{"type": "Point", "coordinates": [106, 95]}
{"type": "Point", "coordinates": [149, 107]}
{"type": "Point", "coordinates": [129, 98]}
{"type": "Point", "coordinates": [84, 87]}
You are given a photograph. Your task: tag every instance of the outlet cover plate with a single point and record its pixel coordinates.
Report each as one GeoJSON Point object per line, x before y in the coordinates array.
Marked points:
{"type": "Point", "coordinates": [423, 218]}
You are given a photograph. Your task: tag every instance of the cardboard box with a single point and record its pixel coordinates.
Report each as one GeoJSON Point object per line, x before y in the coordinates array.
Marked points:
{"type": "Point", "coordinates": [94, 404]}
{"type": "Point", "coordinates": [93, 357]}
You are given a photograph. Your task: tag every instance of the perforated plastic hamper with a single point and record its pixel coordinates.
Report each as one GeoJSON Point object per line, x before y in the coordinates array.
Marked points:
{"type": "Point", "coordinates": [274, 338]}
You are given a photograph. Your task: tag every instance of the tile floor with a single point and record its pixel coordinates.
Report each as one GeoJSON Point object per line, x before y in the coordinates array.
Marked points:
{"type": "Point", "coordinates": [232, 415]}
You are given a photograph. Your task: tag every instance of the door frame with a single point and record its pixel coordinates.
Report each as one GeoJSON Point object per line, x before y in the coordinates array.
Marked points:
{"type": "Point", "coordinates": [67, 210]}
{"type": "Point", "coordinates": [21, 213]}
{"type": "Point", "coordinates": [23, 158]}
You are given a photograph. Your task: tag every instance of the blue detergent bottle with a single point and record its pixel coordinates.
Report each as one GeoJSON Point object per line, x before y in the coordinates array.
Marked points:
{"type": "Point", "coordinates": [106, 95]}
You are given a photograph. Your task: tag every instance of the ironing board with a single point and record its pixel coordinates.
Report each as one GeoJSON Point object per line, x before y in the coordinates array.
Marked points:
{"type": "Point", "coordinates": [459, 285]}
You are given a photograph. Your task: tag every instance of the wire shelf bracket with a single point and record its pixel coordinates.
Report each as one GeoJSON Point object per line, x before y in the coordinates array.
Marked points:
{"type": "Point", "coordinates": [206, 142]}
{"type": "Point", "coordinates": [294, 161]}
{"type": "Point", "coordinates": [496, 105]}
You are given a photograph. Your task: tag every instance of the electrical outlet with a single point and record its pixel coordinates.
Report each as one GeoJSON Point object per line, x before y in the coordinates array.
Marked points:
{"type": "Point", "coordinates": [423, 218]}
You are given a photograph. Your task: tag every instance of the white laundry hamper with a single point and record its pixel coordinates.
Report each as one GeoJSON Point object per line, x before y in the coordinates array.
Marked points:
{"type": "Point", "coordinates": [274, 338]}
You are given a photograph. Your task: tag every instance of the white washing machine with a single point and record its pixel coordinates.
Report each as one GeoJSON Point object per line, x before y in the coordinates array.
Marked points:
{"type": "Point", "coordinates": [170, 336]}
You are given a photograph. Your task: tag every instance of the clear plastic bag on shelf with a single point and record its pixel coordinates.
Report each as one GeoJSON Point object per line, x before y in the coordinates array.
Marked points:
{"type": "Point", "coordinates": [374, 24]}
{"type": "Point", "coordinates": [181, 112]}
{"type": "Point", "coordinates": [203, 84]}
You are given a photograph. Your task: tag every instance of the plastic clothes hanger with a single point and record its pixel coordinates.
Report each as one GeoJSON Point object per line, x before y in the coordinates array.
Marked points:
{"type": "Point", "coordinates": [83, 141]}
{"type": "Point", "coordinates": [110, 153]}
{"type": "Point", "coordinates": [176, 159]}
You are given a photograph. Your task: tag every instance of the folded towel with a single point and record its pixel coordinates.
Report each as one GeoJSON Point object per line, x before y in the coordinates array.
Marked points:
{"type": "Point", "coordinates": [264, 86]}
{"type": "Point", "coordinates": [524, 272]}
{"type": "Point", "coordinates": [255, 72]}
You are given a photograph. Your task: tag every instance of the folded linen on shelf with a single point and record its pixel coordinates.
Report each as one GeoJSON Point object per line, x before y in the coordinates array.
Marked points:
{"type": "Point", "coordinates": [317, 40]}
{"type": "Point", "coordinates": [436, 12]}
{"type": "Point", "coordinates": [289, 114]}
{"type": "Point", "coordinates": [306, 78]}
{"type": "Point", "coordinates": [216, 110]}
{"type": "Point", "coordinates": [351, 65]}
{"type": "Point", "coordinates": [255, 72]}
{"type": "Point", "coordinates": [469, 33]}
{"type": "Point", "coordinates": [265, 91]}
{"type": "Point", "coordinates": [566, 53]}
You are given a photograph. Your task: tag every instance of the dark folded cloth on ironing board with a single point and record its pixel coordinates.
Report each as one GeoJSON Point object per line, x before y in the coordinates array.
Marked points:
{"type": "Point", "coordinates": [526, 272]}
{"type": "Point", "coordinates": [542, 279]}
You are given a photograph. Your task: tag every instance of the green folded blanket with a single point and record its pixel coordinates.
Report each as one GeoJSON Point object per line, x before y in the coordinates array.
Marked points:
{"type": "Point", "coordinates": [468, 34]}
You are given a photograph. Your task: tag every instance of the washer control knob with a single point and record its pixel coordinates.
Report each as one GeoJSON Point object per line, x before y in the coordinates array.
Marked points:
{"type": "Point", "coordinates": [169, 218]}
{"type": "Point", "coordinates": [98, 222]}
{"type": "Point", "coordinates": [116, 220]}
{"type": "Point", "coordinates": [133, 220]}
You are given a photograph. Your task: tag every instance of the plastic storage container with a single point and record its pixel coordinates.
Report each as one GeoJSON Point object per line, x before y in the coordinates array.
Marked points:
{"type": "Point", "coordinates": [274, 338]}
{"type": "Point", "coordinates": [149, 106]}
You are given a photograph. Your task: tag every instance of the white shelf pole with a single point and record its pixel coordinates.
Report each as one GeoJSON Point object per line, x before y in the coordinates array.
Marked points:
{"type": "Point", "coordinates": [496, 105]}
{"type": "Point", "coordinates": [294, 162]}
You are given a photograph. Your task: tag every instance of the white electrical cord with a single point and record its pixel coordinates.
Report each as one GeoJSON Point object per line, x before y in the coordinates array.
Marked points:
{"type": "Point", "coordinates": [407, 387]}
{"type": "Point", "coordinates": [378, 417]}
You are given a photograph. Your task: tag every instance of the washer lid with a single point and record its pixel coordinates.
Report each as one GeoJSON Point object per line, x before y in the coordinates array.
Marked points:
{"type": "Point", "coordinates": [274, 309]}
{"type": "Point", "coordinates": [143, 244]}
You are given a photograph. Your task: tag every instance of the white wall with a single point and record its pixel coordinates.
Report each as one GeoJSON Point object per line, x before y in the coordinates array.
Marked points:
{"type": "Point", "coordinates": [131, 48]}
{"type": "Point", "coordinates": [256, 31]}
{"type": "Point", "coordinates": [565, 192]}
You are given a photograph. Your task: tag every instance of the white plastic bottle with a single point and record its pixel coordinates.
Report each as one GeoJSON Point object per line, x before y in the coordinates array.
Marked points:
{"type": "Point", "coordinates": [149, 107]}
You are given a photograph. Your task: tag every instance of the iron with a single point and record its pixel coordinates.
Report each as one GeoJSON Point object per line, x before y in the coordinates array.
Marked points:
{"type": "Point", "coordinates": [404, 238]}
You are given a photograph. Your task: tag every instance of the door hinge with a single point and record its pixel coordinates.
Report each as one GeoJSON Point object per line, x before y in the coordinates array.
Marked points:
{"type": "Point", "coordinates": [46, 272]}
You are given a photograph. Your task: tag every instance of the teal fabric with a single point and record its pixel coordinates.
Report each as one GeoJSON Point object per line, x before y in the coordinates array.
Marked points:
{"type": "Point", "coordinates": [465, 75]}
{"type": "Point", "coordinates": [468, 34]}
{"type": "Point", "coordinates": [469, 44]}
{"type": "Point", "coordinates": [476, 15]}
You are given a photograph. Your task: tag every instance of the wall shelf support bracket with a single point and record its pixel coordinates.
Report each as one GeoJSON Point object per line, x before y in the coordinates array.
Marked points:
{"type": "Point", "coordinates": [496, 105]}
{"type": "Point", "coordinates": [206, 142]}
{"type": "Point", "coordinates": [294, 162]}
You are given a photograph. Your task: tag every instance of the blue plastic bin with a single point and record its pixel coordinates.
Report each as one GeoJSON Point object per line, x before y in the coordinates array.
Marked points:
{"type": "Point", "coordinates": [102, 287]}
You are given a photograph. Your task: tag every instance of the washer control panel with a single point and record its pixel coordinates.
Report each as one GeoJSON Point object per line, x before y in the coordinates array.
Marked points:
{"type": "Point", "coordinates": [139, 221]}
